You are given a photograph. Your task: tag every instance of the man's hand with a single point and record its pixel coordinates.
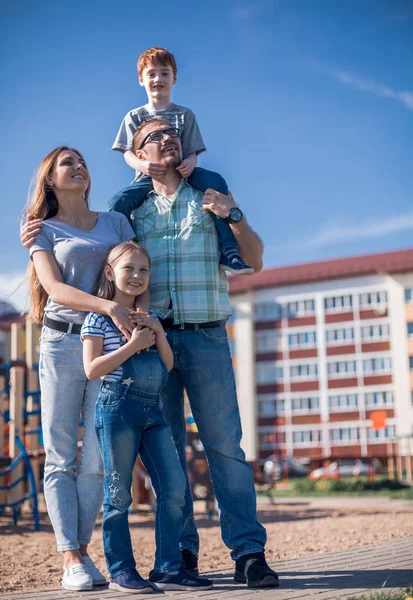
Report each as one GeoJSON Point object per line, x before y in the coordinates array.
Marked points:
{"type": "Point", "coordinates": [29, 231]}
{"type": "Point", "coordinates": [187, 165]}
{"type": "Point", "coordinates": [218, 203]}
{"type": "Point", "coordinates": [152, 169]}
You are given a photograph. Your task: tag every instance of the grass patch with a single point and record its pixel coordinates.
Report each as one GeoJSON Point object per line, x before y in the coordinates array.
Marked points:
{"type": "Point", "coordinates": [350, 486]}
{"type": "Point", "coordinates": [406, 595]}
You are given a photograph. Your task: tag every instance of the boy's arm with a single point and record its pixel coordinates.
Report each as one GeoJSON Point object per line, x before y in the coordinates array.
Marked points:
{"type": "Point", "coordinates": [187, 165]}
{"type": "Point", "coordinates": [250, 245]}
{"type": "Point", "coordinates": [144, 166]}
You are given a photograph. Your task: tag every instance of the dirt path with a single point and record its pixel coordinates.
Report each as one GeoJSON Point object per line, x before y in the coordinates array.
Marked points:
{"type": "Point", "coordinates": [29, 561]}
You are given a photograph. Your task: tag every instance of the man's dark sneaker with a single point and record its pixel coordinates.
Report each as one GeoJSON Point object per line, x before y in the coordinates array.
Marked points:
{"type": "Point", "coordinates": [180, 581]}
{"type": "Point", "coordinates": [253, 570]}
{"type": "Point", "coordinates": [234, 264]}
{"type": "Point", "coordinates": [189, 562]}
{"type": "Point", "coordinates": [131, 582]}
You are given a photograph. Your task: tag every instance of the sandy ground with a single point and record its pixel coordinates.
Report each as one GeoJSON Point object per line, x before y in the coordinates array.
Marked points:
{"type": "Point", "coordinates": [29, 561]}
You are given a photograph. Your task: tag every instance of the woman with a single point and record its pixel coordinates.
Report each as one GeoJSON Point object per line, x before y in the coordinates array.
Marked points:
{"type": "Point", "coordinates": [68, 243]}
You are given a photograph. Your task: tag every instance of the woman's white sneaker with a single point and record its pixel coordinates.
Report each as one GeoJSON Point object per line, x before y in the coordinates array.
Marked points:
{"type": "Point", "coordinates": [76, 578]}
{"type": "Point", "coordinates": [97, 577]}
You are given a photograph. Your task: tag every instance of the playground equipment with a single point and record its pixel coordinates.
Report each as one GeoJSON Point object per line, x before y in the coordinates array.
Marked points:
{"type": "Point", "coordinates": [400, 459]}
{"type": "Point", "coordinates": [20, 431]}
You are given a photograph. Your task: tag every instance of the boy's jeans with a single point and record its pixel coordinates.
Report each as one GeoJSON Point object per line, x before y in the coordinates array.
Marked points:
{"type": "Point", "coordinates": [129, 421]}
{"type": "Point", "coordinates": [73, 493]}
{"type": "Point", "coordinates": [132, 196]}
{"type": "Point", "coordinates": [203, 367]}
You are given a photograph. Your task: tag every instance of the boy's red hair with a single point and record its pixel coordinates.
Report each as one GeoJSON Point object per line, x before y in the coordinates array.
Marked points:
{"type": "Point", "coordinates": [156, 55]}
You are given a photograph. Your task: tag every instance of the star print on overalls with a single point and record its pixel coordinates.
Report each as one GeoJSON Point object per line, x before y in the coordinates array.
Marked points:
{"type": "Point", "coordinates": [117, 501]}
{"type": "Point", "coordinates": [113, 489]}
{"type": "Point", "coordinates": [115, 476]}
{"type": "Point", "coordinates": [127, 381]}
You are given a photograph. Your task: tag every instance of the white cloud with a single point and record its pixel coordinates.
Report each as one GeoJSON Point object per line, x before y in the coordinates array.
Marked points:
{"type": "Point", "coordinates": [366, 85]}
{"type": "Point", "coordinates": [13, 289]}
{"type": "Point", "coordinates": [333, 233]}
{"type": "Point", "coordinates": [258, 6]}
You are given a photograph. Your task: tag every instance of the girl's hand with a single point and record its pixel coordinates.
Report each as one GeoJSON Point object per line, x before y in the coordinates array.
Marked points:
{"type": "Point", "coordinates": [142, 339]}
{"type": "Point", "coordinates": [29, 231]}
{"type": "Point", "coordinates": [142, 319]}
{"type": "Point", "coordinates": [121, 316]}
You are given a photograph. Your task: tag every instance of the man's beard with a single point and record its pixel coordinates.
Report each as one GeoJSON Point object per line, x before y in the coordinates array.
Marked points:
{"type": "Point", "coordinates": [171, 162]}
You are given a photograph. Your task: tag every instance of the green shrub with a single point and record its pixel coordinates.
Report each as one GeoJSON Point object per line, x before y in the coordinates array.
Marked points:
{"type": "Point", "coordinates": [350, 484]}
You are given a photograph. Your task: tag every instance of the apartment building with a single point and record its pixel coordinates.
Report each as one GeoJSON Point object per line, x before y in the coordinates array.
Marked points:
{"type": "Point", "coordinates": [319, 347]}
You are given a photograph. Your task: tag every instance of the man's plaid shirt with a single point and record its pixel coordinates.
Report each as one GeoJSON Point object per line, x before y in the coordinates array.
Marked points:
{"type": "Point", "coordinates": [180, 237]}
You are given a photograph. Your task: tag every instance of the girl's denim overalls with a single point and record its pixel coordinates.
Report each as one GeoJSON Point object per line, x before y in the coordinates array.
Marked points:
{"type": "Point", "coordinates": [129, 421]}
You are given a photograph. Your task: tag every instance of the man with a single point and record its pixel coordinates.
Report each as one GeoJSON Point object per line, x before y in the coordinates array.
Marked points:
{"type": "Point", "coordinates": [190, 294]}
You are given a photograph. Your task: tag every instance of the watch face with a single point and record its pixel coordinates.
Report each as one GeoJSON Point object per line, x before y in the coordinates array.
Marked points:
{"type": "Point", "coordinates": [235, 214]}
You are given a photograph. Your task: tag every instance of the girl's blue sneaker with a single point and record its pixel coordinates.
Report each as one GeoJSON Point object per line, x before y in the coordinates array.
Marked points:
{"type": "Point", "coordinates": [131, 582]}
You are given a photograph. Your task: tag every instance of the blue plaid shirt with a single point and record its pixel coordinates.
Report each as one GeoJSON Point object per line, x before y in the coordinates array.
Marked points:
{"type": "Point", "coordinates": [186, 282]}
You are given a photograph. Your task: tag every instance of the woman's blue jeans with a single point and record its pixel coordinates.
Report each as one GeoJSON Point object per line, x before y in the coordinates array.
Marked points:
{"type": "Point", "coordinates": [129, 421]}
{"type": "Point", "coordinates": [203, 366]}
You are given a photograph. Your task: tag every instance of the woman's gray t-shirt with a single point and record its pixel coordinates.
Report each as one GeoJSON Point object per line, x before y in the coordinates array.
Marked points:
{"type": "Point", "coordinates": [80, 255]}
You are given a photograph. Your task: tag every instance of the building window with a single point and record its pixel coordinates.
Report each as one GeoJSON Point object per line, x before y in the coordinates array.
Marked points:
{"type": "Point", "coordinates": [410, 329]}
{"type": "Point", "coordinates": [343, 402]}
{"type": "Point", "coordinates": [342, 368]}
{"type": "Point", "coordinates": [408, 295]}
{"type": "Point", "coordinates": [267, 311]}
{"type": "Point", "coordinates": [376, 399]}
{"type": "Point", "coordinates": [303, 339]}
{"type": "Point", "coordinates": [270, 437]}
{"type": "Point", "coordinates": [268, 372]}
{"type": "Point", "coordinates": [372, 366]}
{"type": "Point", "coordinates": [338, 303]}
{"type": "Point", "coordinates": [305, 405]}
{"type": "Point", "coordinates": [344, 436]}
{"type": "Point", "coordinates": [381, 435]}
{"type": "Point", "coordinates": [300, 308]}
{"type": "Point", "coordinates": [270, 406]}
{"type": "Point", "coordinates": [306, 437]}
{"type": "Point", "coordinates": [343, 335]}
{"type": "Point", "coordinates": [373, 299]}
{"type": "Point", "coordinates": [267, 341]}
{"type": "Point", "coordinates": [375, 332]}
{"type": "Point", "coordinates": [306, 371]}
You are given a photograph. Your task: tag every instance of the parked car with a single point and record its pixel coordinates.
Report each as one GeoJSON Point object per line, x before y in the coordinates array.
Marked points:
{"type": "Point", "coordinates": [345, 468]}
{"type": "Point", "coordinates": [276, 467]}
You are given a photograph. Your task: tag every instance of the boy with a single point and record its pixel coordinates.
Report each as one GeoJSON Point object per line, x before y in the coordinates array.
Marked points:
{"type": "Point", "coordinates": [157, 74]}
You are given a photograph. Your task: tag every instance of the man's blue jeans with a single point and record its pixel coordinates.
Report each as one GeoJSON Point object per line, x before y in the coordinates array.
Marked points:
{"type": "Point", "coordinates": [133, 196]}
{"type": "Point", "coordinates": [203, 366]}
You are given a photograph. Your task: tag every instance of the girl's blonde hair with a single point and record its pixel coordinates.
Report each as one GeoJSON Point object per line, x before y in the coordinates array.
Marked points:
{"type": "Point", "coordinates": [43, 204]}
{"type": "Point", "coordinates": [105, 288]}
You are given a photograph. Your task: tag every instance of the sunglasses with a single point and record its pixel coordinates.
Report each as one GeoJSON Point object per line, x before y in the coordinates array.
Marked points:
{"type": "Point", "coordinates": [157, 136]}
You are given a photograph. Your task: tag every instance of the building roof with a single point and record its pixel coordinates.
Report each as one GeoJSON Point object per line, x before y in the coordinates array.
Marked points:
{"type": "Point", "coordinates": [353, 266]}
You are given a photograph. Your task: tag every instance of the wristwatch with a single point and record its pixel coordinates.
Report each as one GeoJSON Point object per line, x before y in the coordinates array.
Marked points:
{"type": "Point", "coordinates": [235, 215]}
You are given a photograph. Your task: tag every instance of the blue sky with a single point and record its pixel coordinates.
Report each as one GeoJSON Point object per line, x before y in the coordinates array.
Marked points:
{"type": "Point", "coordinates": [306, 107]}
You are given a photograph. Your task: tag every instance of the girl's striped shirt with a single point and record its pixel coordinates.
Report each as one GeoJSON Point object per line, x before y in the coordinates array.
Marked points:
{"type": "Point", "coordinates": [98, 325]}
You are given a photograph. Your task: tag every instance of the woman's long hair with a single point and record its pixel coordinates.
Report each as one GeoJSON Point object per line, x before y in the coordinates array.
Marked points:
{"type": "Point", "coordinates": [106, 289]}
{"type": "Point", "coordinates": [42, 204]}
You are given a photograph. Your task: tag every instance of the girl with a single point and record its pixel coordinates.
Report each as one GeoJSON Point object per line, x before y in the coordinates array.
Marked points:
{"type": "Point", "coordinates": [129, 421]}
{"type": "Point", "coordinates": [66, 257]}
